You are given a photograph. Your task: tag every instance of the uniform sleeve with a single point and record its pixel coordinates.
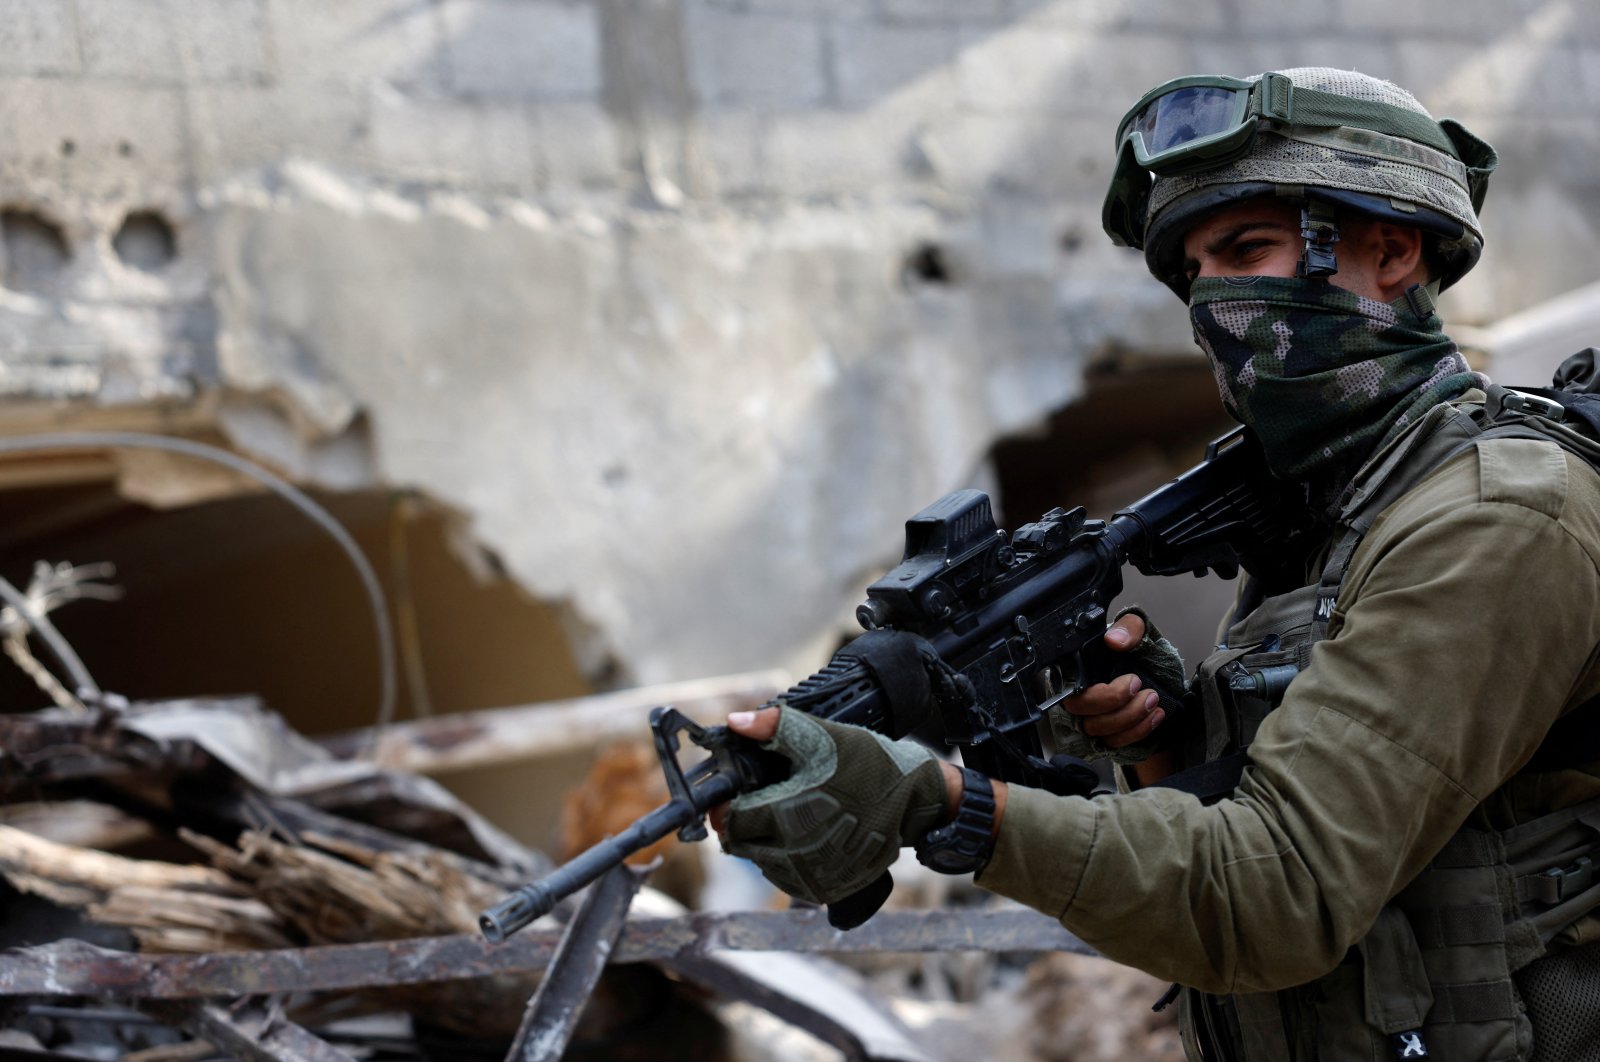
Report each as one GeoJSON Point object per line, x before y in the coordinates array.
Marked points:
{"type": "Point", "coordinates": [1467, 618]}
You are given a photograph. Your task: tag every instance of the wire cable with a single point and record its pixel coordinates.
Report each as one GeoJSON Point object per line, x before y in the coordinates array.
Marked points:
{"type": "Point", "coordinates": [92, 440]}
{"type": "Point", "coordinates": [59, 647]}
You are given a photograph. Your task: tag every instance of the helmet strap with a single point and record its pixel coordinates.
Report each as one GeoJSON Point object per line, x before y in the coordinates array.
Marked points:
{"type": "Point", "coordinates": [1319, 224]}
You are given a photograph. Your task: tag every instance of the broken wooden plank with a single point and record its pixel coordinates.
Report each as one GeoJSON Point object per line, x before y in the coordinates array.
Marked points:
{"type": "Point", "coordinates": [554, 728]}
{"type": "Point", "coordinates": [575, 969]}
{"type": "Point", "coordinates": [293, 819]}
{"type": "Point", "coordinates": [68, 874]}
{"type": "Point", "coordinates": [69, 968]}
{"type": "Point", "coordinates": [84, 823]}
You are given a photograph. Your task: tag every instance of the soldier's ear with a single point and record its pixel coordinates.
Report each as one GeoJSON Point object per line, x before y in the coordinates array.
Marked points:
{"type": "Point", "coordinates": [1400, 259]}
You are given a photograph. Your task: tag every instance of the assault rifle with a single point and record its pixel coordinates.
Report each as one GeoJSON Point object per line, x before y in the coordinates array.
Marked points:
{"type": "Point", "coordinates": [1019, 617]}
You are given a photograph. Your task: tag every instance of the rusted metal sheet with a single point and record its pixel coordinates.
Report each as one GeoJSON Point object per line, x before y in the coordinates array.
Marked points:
{"type": "Point", "coordinates": [254, 1030]}
{"type": "Point", "coordinates": [585, 947]}
{"type": "Point", "coordinates": [55, 745]}
{"type": "Point", "coordinates": [553, 728]}
{"type": "Point", "coordinates": [72, 968]}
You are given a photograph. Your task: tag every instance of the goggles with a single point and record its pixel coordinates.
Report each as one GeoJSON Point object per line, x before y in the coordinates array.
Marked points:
{"type": "Point", "coordinates": [1202, 122]}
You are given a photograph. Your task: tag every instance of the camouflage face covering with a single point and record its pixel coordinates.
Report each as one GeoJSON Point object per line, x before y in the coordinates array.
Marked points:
{"type": "Point", "coordinates": [1324, 376]}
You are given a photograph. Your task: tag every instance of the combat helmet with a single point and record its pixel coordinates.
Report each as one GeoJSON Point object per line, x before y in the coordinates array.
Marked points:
{"type": "Point", "coordinates": [1333, 140]}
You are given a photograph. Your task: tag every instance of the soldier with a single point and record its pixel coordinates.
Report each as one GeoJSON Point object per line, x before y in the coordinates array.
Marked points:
{"type": "Point", "coordinates": [1405, 867]}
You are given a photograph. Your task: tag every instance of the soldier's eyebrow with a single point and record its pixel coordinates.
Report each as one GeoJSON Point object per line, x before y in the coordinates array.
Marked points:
{"type": "Point", "coordinates": [1228, 237]}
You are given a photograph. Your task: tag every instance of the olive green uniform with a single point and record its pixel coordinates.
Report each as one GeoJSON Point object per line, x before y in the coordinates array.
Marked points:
{"type": "Point", "coordinates": [1467, 624]}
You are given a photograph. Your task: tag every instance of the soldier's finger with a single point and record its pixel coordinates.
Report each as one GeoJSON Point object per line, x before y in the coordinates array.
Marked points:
{"type": "Point", "coordinates": [1133, 713]}
{"type": "Point", "coordinates": [1104, 697]}
{"type": "Point", "coordinates": [1126, 633]}
{"type": "Point", "coordinates": [1139, 731]}
{"type": "Point", "coordinates": [759, 726]}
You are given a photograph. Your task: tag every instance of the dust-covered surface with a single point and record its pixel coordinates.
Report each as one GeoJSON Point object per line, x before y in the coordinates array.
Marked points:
{"type": "Point", "coordinates": [667, 300]}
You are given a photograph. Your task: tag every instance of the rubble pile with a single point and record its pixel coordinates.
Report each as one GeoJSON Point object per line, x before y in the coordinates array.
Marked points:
{"type": "Point", "coordinates": [193, 879]}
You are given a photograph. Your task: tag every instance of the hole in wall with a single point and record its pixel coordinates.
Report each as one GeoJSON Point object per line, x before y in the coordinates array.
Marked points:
{"type": "Point", "coordinates": [245, 595]}
{"type": "Point", "coordinates": [36, 249]}
{"type": "Point", "coordinates": [927, 264]}
{"type": "Point", "coordinates": [145, 241]}
{"type": "Point", "coordinates": [1137, 425]}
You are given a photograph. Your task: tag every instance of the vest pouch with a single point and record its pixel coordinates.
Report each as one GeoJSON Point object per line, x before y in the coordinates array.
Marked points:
{"type": "Point", "coordinates": [1460, 908]}
{"type": "Point", "coordinates": [1395, 984]}
{"type": "Point", "coordinates": [1244, 680]}
{"type": "Point", "coordinates": [1255, 684]}
{"type": "Point", "coordinates": [1371, 1006]}
{"type": "Point", "coordinates": [1215, 739]}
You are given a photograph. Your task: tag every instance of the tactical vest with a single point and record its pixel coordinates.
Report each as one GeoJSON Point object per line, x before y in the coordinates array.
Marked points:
{"type": "Point", "coordinates": [1471, 957]}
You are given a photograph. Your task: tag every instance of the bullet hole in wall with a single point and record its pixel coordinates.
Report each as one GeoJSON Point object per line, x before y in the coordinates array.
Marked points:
{"type": "Point", "coordinates": [35, 249]}
{"type": "Point", "coordinates": [69, 148]}
{"type": "Point", "coordinates": [145, 241]}
{"type": "Point", "coordinates": [926, 264]}
{"type": "Point", "coordinates": [1071, 241]}
{"type": "Point", "coordinates": [124, 149]}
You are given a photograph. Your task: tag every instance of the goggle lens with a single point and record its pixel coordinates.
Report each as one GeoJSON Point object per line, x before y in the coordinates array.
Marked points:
{"type": "Point", "coordinates": [1183, 118]}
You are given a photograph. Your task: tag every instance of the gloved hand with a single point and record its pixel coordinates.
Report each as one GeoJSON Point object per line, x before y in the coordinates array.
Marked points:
{"type": "Point", "coordinates": [1120, 720]}
{"type": "Point", "coordinates": [838, 821]}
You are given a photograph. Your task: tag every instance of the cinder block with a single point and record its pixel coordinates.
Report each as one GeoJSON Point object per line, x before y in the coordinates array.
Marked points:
{"type": "Point", "coordinates": [92, 132]}
{"type": "Point", "coordinates": [872, 60]}
{"type": "Point", "coordinates": [1588, 60]}
{"type": "Point", "coordinates": [1452, 78]}
{"type": "Point", "coordinates": [1484, 21]}
{"type": "Point", "coordinates": [236, 127]}
{"type": "Point", "coordinates": [220, 40]}
{"type": "Point", "coordinates": [1223, 55]}
{"type": "Point", "coordinates": [475, 143]}
{"type": "Point", "coordinates": [731, 141]}
{"type": "Point", "coordinates": [811, 153]}
{"type": "Point", "coordinates": [1026, 68]}
{"type": "Point", "coordinates": [521, 49]}
{"type": "Point", "coordinates": [1136, 15]}
{"type": "Point", "coordinates": [356, 41]}
{"type": "Point", "coordinates": [828, 8]}
{"type": "Point", "coordinates": [756, 58]}
{"type": "Point", "coordinates": [574, 145]}
{"type": "Point", "coordinates": [1541, 80]}
{"type": "Point", "coordinates": [1581, 20]}
{"type": "Point", "coordinates": [943, 10]}
{"type": "Point", "coordinates": [37, 37]}
{"type": "Point", "coordinates": [128, 41]}
{"type": "Point", "coordinates": [1051, 156]}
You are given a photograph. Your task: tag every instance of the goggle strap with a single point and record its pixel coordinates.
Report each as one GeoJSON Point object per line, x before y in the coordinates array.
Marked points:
{"type": "Point", "coordinates": [1310, 107]}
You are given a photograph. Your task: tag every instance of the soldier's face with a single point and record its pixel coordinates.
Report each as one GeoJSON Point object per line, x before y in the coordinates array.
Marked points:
{"type": "Point", "coordinates": [1261, 238]}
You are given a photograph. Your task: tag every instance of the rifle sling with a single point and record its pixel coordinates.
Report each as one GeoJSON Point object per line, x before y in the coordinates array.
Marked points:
{"type": "Point", "coordinates": [1208, 781]}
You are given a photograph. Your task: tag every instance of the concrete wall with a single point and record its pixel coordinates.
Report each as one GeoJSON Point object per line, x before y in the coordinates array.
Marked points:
{"type": "Point", "coordinates": [685, 304]}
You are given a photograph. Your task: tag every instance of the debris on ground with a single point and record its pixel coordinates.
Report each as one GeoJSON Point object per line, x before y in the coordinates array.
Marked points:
{"type": "Point", "coordinates": [188, 879]}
